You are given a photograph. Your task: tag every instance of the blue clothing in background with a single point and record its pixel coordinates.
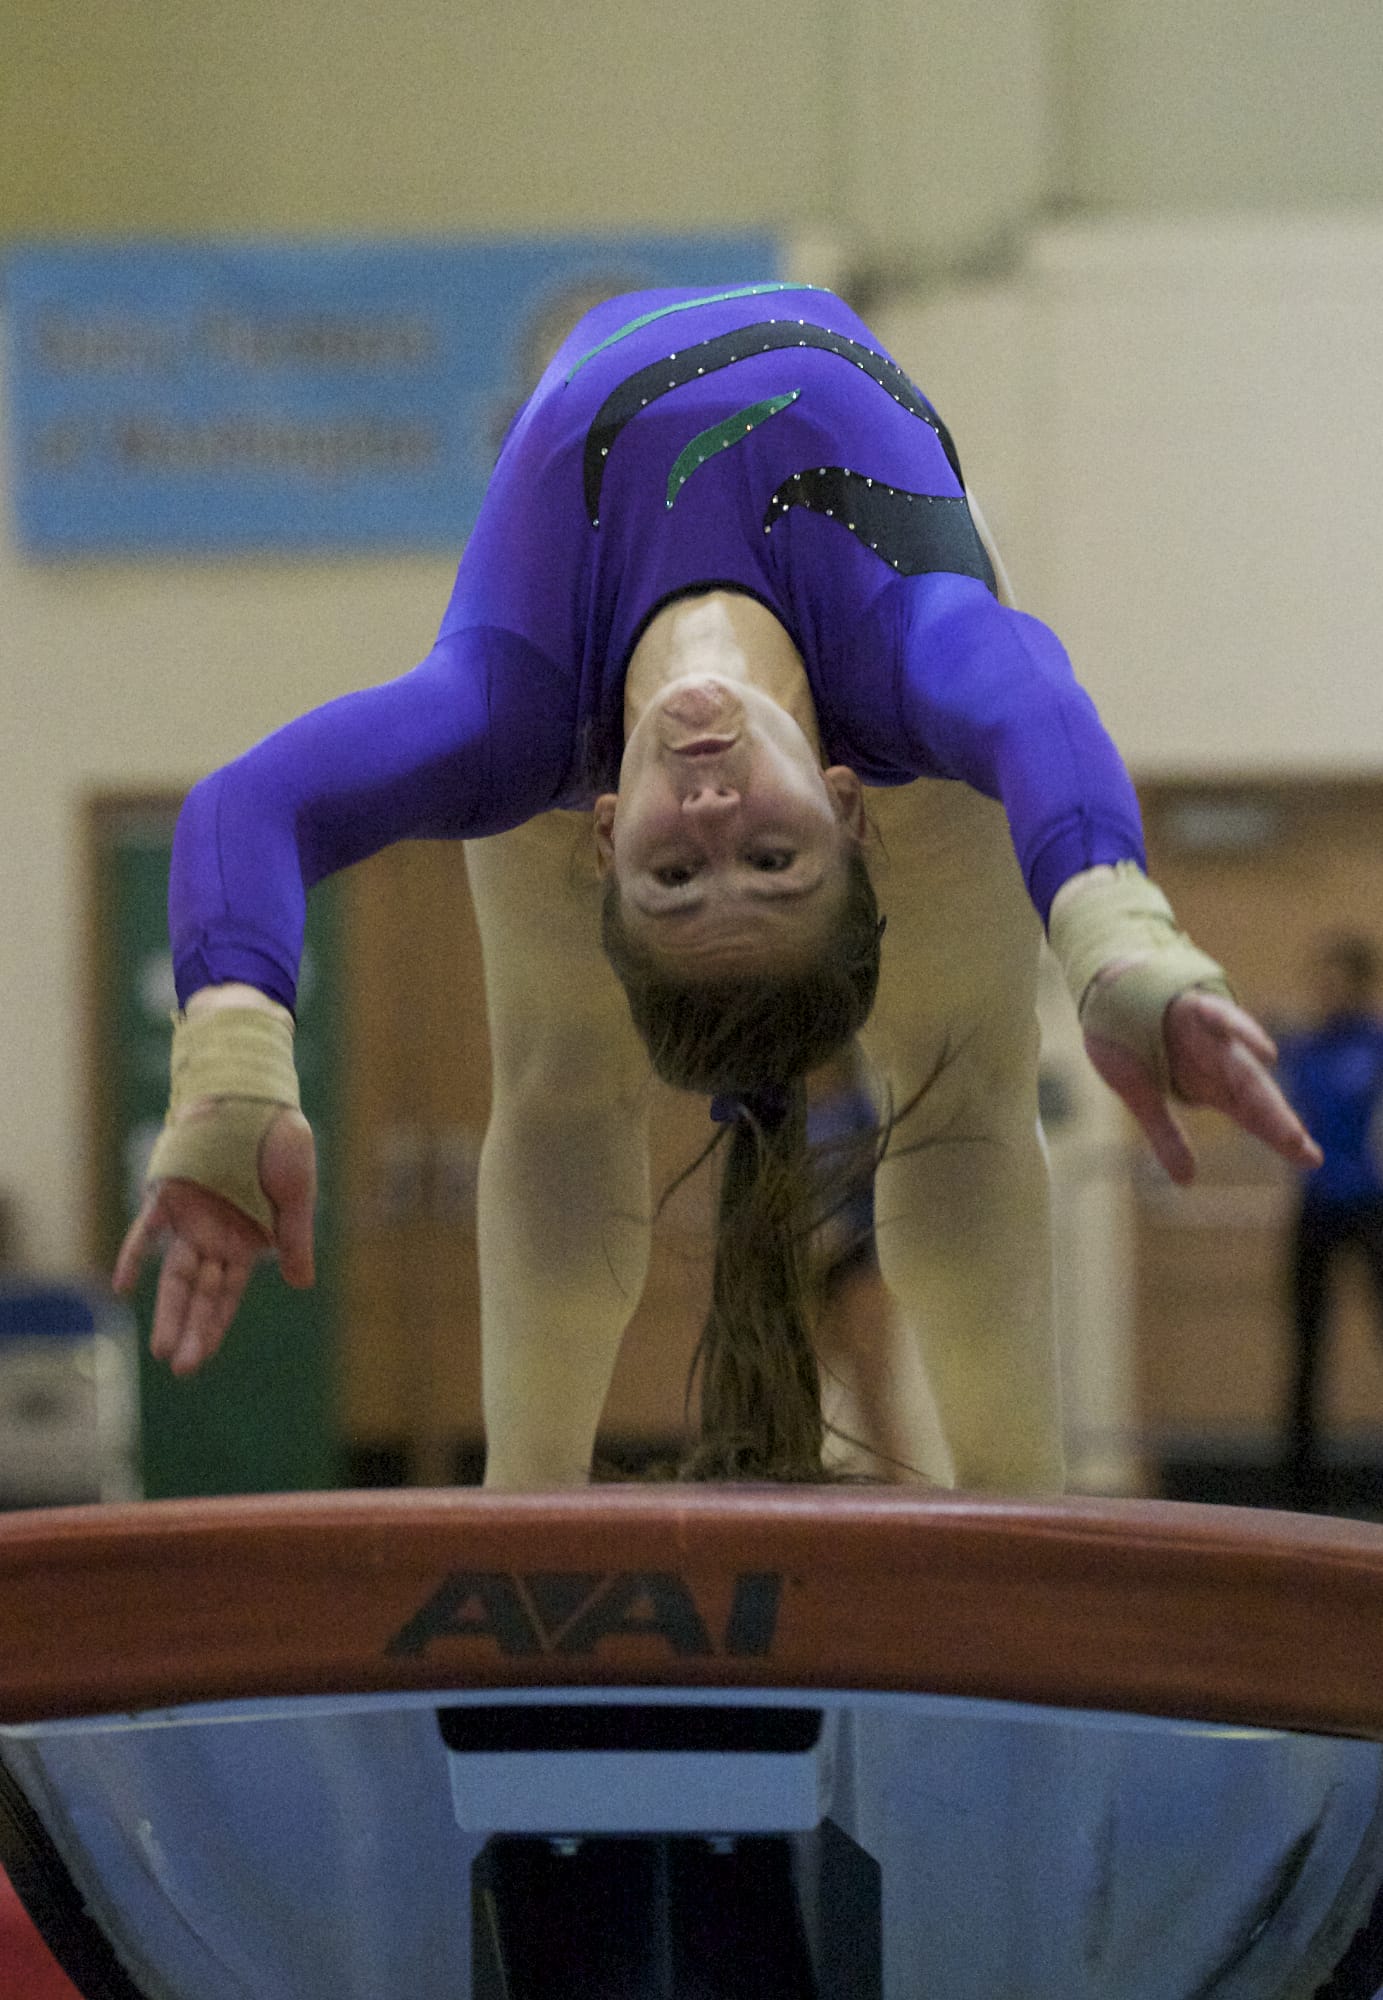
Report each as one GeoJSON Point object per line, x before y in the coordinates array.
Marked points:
{"type": "Point", "coordinates": [1333, 1076]}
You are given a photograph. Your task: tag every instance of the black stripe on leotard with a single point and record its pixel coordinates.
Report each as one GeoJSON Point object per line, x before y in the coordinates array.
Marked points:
{"type": "Point", "coordinates": [704, 357]}
{"type": "Point", "coordinates": [914, 533]}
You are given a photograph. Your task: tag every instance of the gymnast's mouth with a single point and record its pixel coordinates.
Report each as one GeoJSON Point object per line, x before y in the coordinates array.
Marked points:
{"type": "Point", "coordinates": [704, 746]}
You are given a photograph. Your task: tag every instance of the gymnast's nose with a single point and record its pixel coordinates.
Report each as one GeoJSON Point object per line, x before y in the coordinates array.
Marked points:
{"type": "Point", "coordinates": [710, 800]}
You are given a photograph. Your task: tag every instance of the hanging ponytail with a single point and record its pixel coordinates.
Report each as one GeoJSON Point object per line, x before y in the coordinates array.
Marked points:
{"type": "Point", "coordinates": [755, 1364]}
{"type": "Point", "coordinates": [750, 1043]}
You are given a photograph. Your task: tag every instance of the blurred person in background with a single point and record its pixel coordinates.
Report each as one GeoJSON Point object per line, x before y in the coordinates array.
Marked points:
{"type": "Point", "coordinates": [1332, 1072]}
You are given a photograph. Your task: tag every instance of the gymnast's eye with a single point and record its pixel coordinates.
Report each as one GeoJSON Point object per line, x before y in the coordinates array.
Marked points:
{"type": "Point", "coordinates": [771, 860]}
{"type": "Point", "coordinates": [673, 874]}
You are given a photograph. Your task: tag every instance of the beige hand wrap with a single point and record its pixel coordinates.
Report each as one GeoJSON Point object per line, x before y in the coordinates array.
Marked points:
{"type": "Point", "coordinates": [1124, 915]}
{"type": "Point", "coordinates": [241, 1059]}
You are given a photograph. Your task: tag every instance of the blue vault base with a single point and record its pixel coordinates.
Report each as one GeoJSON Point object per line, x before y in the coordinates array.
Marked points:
{"type": "Point", "coordinates": [884, 1846]}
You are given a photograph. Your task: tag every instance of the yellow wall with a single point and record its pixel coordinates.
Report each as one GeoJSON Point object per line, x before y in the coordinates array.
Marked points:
{"type": "Point", "coordinates": [422, 115]}
{"type": "Point", "coordinates": [924, 125]}
{"type": "Point", "coordinates": [1188, 106]}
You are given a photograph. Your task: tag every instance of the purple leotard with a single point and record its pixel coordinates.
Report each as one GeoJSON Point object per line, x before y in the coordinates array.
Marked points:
{"type": "Point", "coordinates": [760, 441]}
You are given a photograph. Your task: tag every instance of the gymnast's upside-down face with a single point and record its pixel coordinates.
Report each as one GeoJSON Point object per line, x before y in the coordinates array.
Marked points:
{"type": "Point", "coordinates": [728, 840]}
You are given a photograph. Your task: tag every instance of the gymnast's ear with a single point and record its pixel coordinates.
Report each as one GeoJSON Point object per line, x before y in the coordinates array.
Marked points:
{"type": "Point", "coordinates": [848, 795]}
{"type": "Point", "coordinates": [603, 827]}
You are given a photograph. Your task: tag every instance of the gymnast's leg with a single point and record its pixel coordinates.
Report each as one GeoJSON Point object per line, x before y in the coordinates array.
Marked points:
{"type": "Point", "coordinates": [877, 1404]}
{"type": "Point", "coordinates": [962, 1202]}
{"type": "Point", "coordinates": [563, 1206]}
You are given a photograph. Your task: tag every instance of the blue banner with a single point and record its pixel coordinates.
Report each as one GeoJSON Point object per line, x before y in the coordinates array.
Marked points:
{"type": "Point", "coordinates": [225, 397]}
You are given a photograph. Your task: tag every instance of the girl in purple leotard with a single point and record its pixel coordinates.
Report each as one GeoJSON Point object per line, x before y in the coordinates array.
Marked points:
{"type": "Point", "coordinates": [726, 580]}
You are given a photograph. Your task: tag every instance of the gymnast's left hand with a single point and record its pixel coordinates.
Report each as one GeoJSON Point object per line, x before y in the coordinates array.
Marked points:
{"type": "Point", "coordinates": [210, 1247]}
{"type": "Point", "coordinates": [1219, 1056]}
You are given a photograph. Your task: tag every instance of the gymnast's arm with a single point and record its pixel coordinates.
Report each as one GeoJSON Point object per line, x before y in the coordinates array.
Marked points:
{"type": "Point", "coordinates": [412, 759]}
{"type": "Point", "coordinates": [234, 1172]}
{"type": "Point", "coordinates": [987, 696]}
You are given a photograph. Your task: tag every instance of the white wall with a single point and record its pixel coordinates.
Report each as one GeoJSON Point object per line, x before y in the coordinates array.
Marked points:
{"type": "Point", "coordinates": [1174, 428]}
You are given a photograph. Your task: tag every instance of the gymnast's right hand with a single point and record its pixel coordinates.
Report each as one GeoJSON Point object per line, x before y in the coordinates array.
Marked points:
{"type": "Point", "coordinates": [232, 1179]}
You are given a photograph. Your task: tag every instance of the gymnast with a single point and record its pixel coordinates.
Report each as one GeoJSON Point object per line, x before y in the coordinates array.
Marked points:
{"type": "Point", "coordinates": [728, 608]}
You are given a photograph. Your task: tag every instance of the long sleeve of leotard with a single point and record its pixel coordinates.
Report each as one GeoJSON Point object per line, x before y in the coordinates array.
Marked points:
{"type": "Point", "coordinates": [415, 758]}
{"type": "Point", "coordinates": [987, 695]}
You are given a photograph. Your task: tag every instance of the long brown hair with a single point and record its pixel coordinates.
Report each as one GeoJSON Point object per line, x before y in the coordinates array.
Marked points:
{"type": "Point", "coordinates": [750, 1042]}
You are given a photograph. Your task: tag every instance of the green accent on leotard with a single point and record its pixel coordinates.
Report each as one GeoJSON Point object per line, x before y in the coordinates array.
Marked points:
{"type": "Point", "coordinates": [685, 305]}
{"type": "Point", "coordinates": [721, 436]}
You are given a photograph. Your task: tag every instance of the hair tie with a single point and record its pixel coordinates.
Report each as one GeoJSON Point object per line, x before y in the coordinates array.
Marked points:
{"type": "Point", "coordinates": [767, 1106]}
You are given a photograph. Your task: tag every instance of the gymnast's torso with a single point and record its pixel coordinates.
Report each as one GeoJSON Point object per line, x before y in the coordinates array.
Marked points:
{"type": "Point", "coordinates": [758, 441]}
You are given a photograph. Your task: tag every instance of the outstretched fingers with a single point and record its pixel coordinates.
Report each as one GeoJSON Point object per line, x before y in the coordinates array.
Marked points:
{"type": "Point", "coordinates": [1219, 1056]}
{"type": "Point", "coordinates": [209, 1250]}
{"type": "Point", "coordinates": [139, 1242]}
{"type": "Point", "coordinates": [1128, 1079]}
{"type": "Point", "coordinates": [210, 1247]}
{"type": "Point", "coordinates": [198, 1294]}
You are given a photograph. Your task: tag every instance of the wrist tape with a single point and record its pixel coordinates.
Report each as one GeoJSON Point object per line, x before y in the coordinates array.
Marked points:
{"type": "Point", "coordinates": [232, 1072]}
{"type": "Point", "coordinates": [1124, 915]}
